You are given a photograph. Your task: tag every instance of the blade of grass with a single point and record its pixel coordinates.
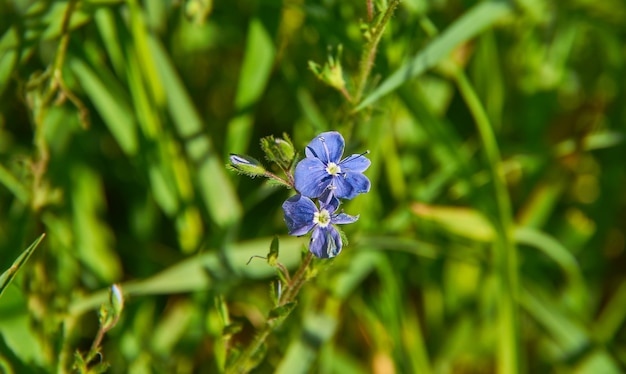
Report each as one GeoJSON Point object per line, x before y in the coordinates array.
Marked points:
{"type": "Point", "coordinates": [466, 27]}
{"type": "Point", "coordinates": [14, 185]}
{"type": "Point", "coordinates": [8, 56]}
{"type": "Point", "coordinates": [569, 335]}
{"type": "Point", "coordinates": [110, 100]}
{"type": "Point", "coordinates": [217, 191]}
{"type": "Point", "coordinates": [255, 72]}
{"type": "Point", "coordinates": [613, 315]}
{"type": "Point", "coordinates": [506, 252]}
{"type": "Point", "coordinates": [201, 272]}
{"type": "Point", "coordinates": [105, 20]}
{"type": "Point", "coordinates": [318, 329]}
{"type": "Point", "coordinates": [93, 238]}
{"type": "Point", "coordinates": [7, 277]}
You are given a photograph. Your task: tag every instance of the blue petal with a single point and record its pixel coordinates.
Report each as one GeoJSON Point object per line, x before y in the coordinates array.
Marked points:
{"type": "Point", "coordinates": [325, 242]}
{"type": "Point", "coordinates": [311, 177]}
{"type": "Point", "coordinates": [355, 163]}
{"type": "Point", "coordinates": [329, 201]}
{"type": "Point", "coordinates": [343, 219]}
{"type": "Point", "coordinates": [350, 185]}
{"type": "Point", "coordinates": [359, 182]}
{"type": "Point", "coordinates": [342, 187]}
{"type": "Point", "coordinates": [327, 146]}
{"type": "Point", "coordinates": [299, 212]}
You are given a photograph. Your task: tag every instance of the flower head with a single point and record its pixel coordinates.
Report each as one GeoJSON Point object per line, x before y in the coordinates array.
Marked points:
{"type": "Point", "coordinates": [323, 172]}
{"type": "Point", "coordinates": [302, 216]}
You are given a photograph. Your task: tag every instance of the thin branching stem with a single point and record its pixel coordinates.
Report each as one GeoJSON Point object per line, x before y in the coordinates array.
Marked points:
{"type": "Point", "coordinates": [243, 361]}
{"type": "Point", "coordinates": [278, 179]}
{"type": "Point", "coordinates": [369, 53]}
{"type": "Point", "coordinates": [297, 281]}
{"type": "Point", "coordinates": [56, 77]}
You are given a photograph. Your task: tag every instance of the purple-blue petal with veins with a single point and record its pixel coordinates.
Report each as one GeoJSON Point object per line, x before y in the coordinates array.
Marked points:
{"type": "Point", "coordinates": [328, 201]}
{"type": "Point", "coordinates": [343, 219]}
{"type": "Point", "coordinates": [327, 146]}
{"type": "Point", "coordinates": [311, 177]}
{"type": "Point", "coordinates": [355, 163]}
{"type": "Point", "coordinates": [325, 242]}
{"type": "Point", "coordinates": [343, 188]}
{"type": "Point", "coordinates": [359, 183]}
{"type": "Point", "coordinates": [299, 212]}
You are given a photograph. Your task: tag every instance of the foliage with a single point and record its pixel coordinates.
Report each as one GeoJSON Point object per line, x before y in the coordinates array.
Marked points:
{"type": "Point", "coordinates": [492, 239]}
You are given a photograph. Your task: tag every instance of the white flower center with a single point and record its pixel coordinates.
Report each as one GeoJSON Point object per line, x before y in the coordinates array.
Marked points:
{"type": "Point", "coordinates": [322, 218]}
{"type": "Point", "coordinates": [333, 169]}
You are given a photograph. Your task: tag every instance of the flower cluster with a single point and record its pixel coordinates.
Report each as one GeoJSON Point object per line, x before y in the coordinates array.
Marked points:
{"type": "Point", "coordinates": [321, 180]}
{"type": "Point", "coordinates": [324, 176]}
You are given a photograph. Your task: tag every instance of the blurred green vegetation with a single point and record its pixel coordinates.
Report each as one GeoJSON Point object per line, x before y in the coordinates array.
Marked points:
{"type": "Point", "coordinates": [492, 239]}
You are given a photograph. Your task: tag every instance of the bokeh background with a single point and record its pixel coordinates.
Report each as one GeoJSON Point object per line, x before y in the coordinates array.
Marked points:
{"type": "Point", "coordinates": [492, 239]}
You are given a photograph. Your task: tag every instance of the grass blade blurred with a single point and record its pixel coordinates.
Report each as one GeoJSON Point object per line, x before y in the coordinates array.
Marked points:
{"type": "Point", "coordinates": [198, 272]}
{"type": "Point", "coordinates": [318, 329]}
{"type": "Point", "coordinates": [7, 277]}
{"type": "Point", "coordinates": [469, 25]}
{"type": "Point", "coordinates": [110, 100]}
{"type": "Point", "coordinates": [217, 191]}
{"type": "Point", "coordinates": [255, 71]}
{"type": "Point", "coordinates": [8, 180]}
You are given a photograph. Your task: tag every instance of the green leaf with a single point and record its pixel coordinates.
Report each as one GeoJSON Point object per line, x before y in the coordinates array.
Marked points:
{"type": "Point", "coordinates": [191, 274]}
{"type": "Point", "coordinates": [217, 191]}
{"type": "Point", "coordinates": [111, 101]}
{"type": "Point", "coordinates": [272, 256]}
{"type": "Point", "coordinates": [301, 353]}
{"type": "Point", "coordinates": [466, 27]}
{"type": "Point", "coordinates": [255, 73]}
{"type": "Point", "coordinates": [7, 277]}
{"type": "Point", "coordinates": [461, 221]}
{"type": "Point", "coordinates": [279, 151]}
{"type": "Point", "coordinates": [282, 311]}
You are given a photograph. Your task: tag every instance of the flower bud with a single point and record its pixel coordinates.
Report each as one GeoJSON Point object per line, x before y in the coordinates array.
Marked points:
{"type": "Point", "coordinates": [117, 299]}
{"type": "Point", "coordinates": [277, 150]}
{"type": "Point", "coordinates": [246, 165]}
{"type": "Point", "coordinates": [331, 73]}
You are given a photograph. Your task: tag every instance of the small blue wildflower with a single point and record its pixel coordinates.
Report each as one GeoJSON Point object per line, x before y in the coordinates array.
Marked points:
{"type": "Point", "coordinates": [302, 216]}
{"type": "Point", "coordinates": [323, 174]}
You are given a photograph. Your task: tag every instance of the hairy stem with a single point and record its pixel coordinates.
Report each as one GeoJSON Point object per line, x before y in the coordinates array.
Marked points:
{"type": "Point", "coordinates": [243, 362]}
{"type": "Point", "coordinates": [369, 53]}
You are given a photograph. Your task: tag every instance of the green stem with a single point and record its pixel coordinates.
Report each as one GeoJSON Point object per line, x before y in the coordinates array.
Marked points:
{"type": "Point", "coordinates": [243, 362]}
{"type": "Point", "coordinates": [370, 10]}
{"type": "Point", "coordinates": [369, 53]}
{"type": "Point", "coordinates": [506, 255]}
{"type": "Point", "coordinates": [297, 281]}
{"type": "Point", "coordinates": [289, 184]}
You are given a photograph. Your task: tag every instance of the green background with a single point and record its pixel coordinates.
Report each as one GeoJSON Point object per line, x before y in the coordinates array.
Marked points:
{"type": "Point", "coordinates": [492, 239]}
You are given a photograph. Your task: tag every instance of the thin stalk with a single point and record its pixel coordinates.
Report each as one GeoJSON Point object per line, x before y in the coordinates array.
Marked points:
{"type": "Point", "coordinates": [56, 79]}
{"type": "Point", "coordinates": [297, 281]}
{"type": "Point", "coordinates": [506, 255]}
{"type": "Point", "coordinates": [242, 363]}
{"type": "Point", "coordinates": [370, 10]}
{"type": "Point", "coordinates": [369, 53]}
{"type": "Point", "coordinates": [278, 179]}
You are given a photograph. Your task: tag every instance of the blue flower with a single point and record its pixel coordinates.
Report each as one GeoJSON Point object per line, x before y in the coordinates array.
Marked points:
{"type": "Point", "coordinates": [302, 216]}
{"type": "Point", "coordinates": [323, 172]}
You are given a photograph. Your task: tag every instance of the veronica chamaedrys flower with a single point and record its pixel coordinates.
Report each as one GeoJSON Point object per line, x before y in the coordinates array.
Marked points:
{"type": "Point", "coordinates": [323, 172]}
{"type": "Point", "coordinates": [302, 216]}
